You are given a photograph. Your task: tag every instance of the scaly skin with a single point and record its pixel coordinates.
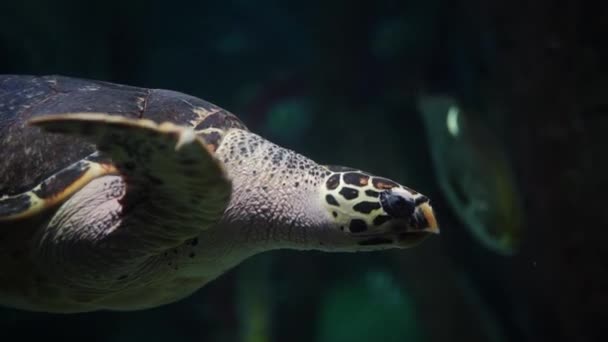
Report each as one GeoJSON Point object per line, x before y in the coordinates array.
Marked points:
{"type": "Point", "coordinates": [280, 199]}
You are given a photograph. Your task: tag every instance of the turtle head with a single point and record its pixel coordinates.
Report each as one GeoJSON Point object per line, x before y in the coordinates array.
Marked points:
{"type": "Point", "coordinates": [282, 199]}
{"type": "Point", "coordinates": [370, 213]}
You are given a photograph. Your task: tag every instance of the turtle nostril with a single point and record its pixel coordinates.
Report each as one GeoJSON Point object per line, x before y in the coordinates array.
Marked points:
{"type": "Point", "coordinates": [421, 199]}
{"type": "Point", "coordinates": [396, 206]}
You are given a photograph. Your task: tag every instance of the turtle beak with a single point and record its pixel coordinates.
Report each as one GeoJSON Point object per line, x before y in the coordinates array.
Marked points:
{"type": "Point", "coordinates": [422, 225]}
{"type": "Point", "coordinates": [410, 208]}
{"type": "Point", "coordinates": [424, 219]}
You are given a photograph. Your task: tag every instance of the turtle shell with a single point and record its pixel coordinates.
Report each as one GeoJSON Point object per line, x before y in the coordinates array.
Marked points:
{"type": "Point", "coordinates": [28, 156]}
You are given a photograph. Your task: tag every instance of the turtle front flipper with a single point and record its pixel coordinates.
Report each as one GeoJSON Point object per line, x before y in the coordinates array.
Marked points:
{"type": "Point", "coordinates": [170, 188]}
{"type": "Point", "coordinates": [168, 168]}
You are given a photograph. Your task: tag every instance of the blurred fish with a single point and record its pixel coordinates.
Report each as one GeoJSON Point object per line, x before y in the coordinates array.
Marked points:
{"type": "Point", "coordinates": [474, 174]}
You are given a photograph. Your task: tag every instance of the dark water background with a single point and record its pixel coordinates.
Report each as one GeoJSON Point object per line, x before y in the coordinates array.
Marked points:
{"type": "Point", "coordinates": [339, 81]}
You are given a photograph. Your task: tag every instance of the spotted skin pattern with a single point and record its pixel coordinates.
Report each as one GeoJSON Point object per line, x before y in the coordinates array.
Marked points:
{"type": "Point", "coordinates": [352, 198]}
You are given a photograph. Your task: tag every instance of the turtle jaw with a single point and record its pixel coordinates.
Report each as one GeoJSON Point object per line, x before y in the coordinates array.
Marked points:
{"type": "Point", "coordinates": [413, 218]}
{"type": "Point", "coordinates": [422, 225]}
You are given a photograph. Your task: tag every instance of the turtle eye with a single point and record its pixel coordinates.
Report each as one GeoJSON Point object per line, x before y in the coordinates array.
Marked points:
{"type": "Point", "coordinates": [396, 205]}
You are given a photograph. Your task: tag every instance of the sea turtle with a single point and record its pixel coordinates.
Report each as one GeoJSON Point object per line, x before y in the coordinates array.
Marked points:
{"type": "Point", "coordinates": [114, 197]}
